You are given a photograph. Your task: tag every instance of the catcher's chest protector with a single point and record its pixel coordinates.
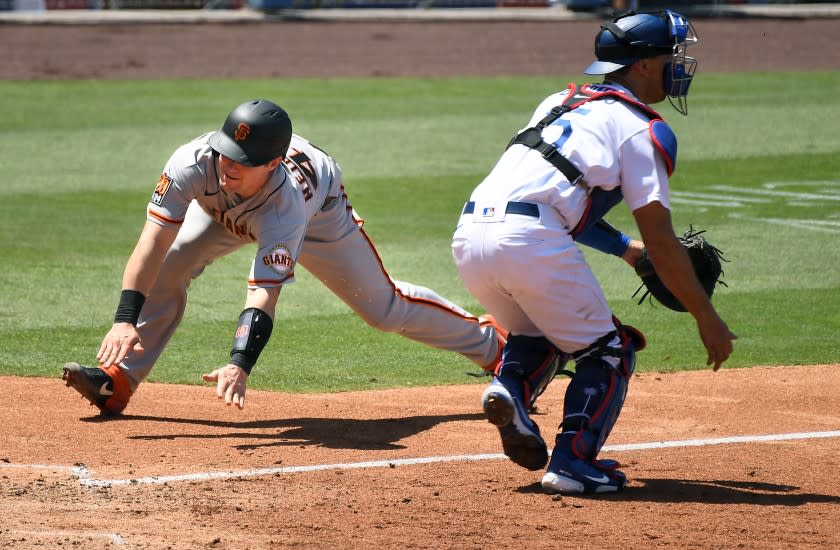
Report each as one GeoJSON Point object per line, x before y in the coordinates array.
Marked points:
{"type": "Point", "coordinates": [599, 201]}
{"type": "Point", "coordinates": [661, 134]}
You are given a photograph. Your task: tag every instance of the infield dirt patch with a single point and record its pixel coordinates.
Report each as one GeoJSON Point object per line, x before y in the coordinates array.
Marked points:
{"type": "Point", "coordinates": [182, 470]}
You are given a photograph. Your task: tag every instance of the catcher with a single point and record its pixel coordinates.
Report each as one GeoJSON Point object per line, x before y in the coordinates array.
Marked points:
{"type": "Point", "coordinates": [584, 150]}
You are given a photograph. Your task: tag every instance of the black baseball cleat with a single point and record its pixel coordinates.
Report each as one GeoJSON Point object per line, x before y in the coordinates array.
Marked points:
{"type": "Point", "coordinates": [521, 439]}
{"type": "Point", "coordinates": [107, 389]}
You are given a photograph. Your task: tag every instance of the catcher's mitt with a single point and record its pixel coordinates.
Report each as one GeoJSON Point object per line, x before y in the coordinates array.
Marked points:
{"type": "Point", "coordinates": [705, 258]}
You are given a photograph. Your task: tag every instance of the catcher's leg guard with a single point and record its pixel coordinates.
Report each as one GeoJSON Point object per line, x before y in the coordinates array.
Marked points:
{"type": "Point", "coordinates": [594, 400]}
{"type": "Point", "coordinates": [528, 365]}
{"type": "Point", "coordinates": [596, 394]}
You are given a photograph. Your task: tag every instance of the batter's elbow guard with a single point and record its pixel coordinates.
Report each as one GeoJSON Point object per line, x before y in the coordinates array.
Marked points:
{"type": "Point", "coordinates": [252, 333]}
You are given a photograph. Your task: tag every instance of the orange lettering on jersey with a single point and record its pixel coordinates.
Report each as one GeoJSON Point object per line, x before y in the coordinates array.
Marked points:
{"type": "Point", "coordinates": [242, 131]}
{"type": "Point", "coordinates": [163, 184]}
{"type": "Point", "coordinates": [238, 230]}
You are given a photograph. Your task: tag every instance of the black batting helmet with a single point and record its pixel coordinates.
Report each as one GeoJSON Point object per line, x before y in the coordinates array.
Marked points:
{"type": "Point", "coordinates": [254, 133]}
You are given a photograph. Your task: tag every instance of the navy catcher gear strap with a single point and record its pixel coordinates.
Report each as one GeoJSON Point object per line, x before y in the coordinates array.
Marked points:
{"type": "Point", "coordinates": [532, 138]}
{"type": "Point", "coordinates": [252, 333]}
{"type": "Point", "coordinates": [578, 95]}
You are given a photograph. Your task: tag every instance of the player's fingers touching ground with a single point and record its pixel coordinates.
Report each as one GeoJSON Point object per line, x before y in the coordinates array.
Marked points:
{"type": "Point", "coordinates": [230, 384]}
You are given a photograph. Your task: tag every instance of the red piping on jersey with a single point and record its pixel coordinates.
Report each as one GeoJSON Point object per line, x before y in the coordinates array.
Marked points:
{"type": "Point", "coordinates": [582, 222]}
{"type": "Point", "coordinates": [594, 94]}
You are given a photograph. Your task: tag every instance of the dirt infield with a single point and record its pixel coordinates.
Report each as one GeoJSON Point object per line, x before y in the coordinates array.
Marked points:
{"type": "Point", "coordinates": [746, 458]}
{"type": "Point", "coordinates": [181, 470]}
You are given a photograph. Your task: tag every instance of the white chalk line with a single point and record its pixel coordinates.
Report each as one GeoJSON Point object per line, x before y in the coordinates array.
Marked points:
{"type": "Point", "coordinates": [83, 474]}
{"type": "Point", "coordinates": [776, 193]}
{"type": "Point", "coordinates": [821, 226]}
{"type": "Point", "coordinates": [85, 478]}
{"type": "Point", "coordinates": [717, 198]}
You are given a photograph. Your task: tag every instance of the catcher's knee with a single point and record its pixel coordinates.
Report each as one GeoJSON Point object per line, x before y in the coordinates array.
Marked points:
{"type": "Point", "coordinates": [532, 360]}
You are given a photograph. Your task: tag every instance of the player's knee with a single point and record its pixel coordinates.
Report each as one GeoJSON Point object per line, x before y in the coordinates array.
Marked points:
{"type": "Point", "coordinates": [523, 355]}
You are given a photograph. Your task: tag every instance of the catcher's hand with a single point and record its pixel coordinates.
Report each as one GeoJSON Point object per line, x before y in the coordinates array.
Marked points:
{"type": "Point", "coordinates": [705, 258]}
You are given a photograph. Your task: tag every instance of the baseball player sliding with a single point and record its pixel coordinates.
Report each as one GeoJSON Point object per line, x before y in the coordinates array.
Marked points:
{"type": "Point", "coordinates": [254, 181]}
{"type": "Point", "coordinates": [584, 150]}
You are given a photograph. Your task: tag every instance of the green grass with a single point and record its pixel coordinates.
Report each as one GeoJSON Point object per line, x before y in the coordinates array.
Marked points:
{"type": "Point", "coordinates": [80, 160]}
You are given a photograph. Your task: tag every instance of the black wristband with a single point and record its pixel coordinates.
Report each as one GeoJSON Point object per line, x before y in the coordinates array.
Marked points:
{"type": "Point", "coordinates": [252, 333]}
{"type": "Point", "coordinates": [242, 361]}
{"type": "Point", "coordinates": [131, 302]}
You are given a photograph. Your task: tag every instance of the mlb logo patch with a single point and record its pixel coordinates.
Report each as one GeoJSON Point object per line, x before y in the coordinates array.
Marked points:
{"type": "Point", "coordinates": [488, 212]}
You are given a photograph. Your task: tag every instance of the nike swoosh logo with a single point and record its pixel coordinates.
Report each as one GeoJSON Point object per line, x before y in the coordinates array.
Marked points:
{"type": "Point", "coordinates": [602, 479]}
{"type": "Point", "coordinates": [105, 391]}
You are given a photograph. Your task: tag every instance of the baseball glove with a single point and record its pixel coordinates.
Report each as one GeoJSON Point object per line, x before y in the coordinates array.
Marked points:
{"type": "Point", "coordinates": [705, 258]}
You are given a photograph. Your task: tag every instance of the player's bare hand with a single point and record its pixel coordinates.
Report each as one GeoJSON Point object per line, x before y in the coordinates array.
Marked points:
{"type": "Point", "coordinates": [633, 253]}
{"type": "Point", "coordinates": [231, 382]}
{"type": "Point", "coordinates": [718, 339]}
{"type": "Point", "coordinates": [118, 343]}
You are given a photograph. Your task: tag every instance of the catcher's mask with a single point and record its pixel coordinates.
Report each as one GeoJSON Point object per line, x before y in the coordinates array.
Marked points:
{"type": "Point", "coordinates": [254, 133]}
{"type": "Point", "coordinates": [633, 36]}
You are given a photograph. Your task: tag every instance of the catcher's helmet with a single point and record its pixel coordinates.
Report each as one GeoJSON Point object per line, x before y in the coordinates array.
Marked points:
{"type": "Point", "coordinates": [635, 36]}
{"type": "Point", "coordinates": [254, 133]}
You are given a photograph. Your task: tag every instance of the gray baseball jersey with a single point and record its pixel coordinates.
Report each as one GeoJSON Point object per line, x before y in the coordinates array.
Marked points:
{"type": "Point", "coordinates": [306, 194]}
{"type": "Point", "coordinates": [273, 218]}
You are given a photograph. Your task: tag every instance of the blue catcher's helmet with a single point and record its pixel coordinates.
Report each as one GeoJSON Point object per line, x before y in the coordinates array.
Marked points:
{"type": "Point", "coordinates": [635, 36]}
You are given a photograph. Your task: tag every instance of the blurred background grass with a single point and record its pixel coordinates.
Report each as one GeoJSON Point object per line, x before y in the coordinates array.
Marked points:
{"type": "Point", "coordinates": [80, 160]}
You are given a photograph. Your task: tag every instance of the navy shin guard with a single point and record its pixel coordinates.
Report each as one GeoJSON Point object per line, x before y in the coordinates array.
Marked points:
{"type": "Point", "coordinates": [596, 394]}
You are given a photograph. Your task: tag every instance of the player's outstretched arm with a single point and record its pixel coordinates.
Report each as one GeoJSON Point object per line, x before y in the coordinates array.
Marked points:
{"type": "Point", "coordinates": [674, 268]}
{"type": "Point", "coordinates": [252, 333]}
{"type": "Point", "coordinates": [140, 273]}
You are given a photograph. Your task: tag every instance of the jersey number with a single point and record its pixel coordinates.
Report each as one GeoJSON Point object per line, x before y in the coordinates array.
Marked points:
{"type": "Point", "coordinates": [300, 166]}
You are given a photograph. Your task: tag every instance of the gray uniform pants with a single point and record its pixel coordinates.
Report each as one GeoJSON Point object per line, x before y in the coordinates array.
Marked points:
{"type": "Point", "coordinates": [339, 254]}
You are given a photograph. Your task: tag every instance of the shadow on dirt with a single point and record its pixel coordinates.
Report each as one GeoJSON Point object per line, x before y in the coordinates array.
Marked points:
{"type": "Point", "coordinates": [706, 492]}
{"type": "Point", "coordinates": [332, 433]}
{"type": "Point", "coordinates": [721, 492]}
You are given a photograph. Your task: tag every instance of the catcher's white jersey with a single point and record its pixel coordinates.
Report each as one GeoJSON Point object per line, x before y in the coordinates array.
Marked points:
{"type": "Point", "coordinates": [523, 266]}
{"type": "Point", "coordinates": [607, 140]}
